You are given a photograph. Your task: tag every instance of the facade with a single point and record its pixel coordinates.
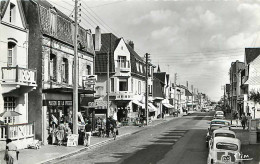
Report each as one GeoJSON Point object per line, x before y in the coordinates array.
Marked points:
{"type": "Point", "coordinates": [235, 82]}
{"type": "Point", "coordinates": [163, 94]}
{"type": "Point", "coordinates": [17, 80]}
{"type": "Point", "coordinates": [126, 78]}
{"type": "Point", "coordinates": [51, 52]}
{"type": "Point", "coordinates": [250, 81]}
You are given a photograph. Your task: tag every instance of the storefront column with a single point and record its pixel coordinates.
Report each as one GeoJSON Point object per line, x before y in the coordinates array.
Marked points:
{"type": "Point", "coordinates": [44, 125]}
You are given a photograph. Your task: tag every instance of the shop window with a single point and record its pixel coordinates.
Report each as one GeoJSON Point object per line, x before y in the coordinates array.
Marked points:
{"type": "Point", "coordinates": [64, 70]}
{"type": "Point", "coordinates": [53, 67]}
{"type": "Point", "coordinates": [139, 87]}
{"type": "Point", "coordinates": [12, 13]}
{"type": "Point", "coordinates": [11, 53]}
{"type": "Point", "coordinates": [112, 82]}
{"type": "Point", "coordinates": [123, 85]}
{"type": "Point", "coordinates": [9, 105]}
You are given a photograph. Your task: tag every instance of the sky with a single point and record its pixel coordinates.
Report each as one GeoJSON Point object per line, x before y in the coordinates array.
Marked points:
{"type": "Point", "coordinates": [198, 40]}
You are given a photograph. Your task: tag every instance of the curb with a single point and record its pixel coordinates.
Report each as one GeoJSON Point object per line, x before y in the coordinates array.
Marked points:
{"type": "Point", "coordinates": [82, 149]}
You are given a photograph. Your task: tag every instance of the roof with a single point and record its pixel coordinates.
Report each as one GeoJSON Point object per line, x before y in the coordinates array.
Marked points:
{"type": "Point", "coordinates": [224, 131]}
{"type": "Point", "coordinates": [187, 92]}
{"type": "Point", "coordinates": [161, 76]}
{"type": "Point", "coordinates": [227, 140]}
{"type": "Point", "coordinates": [108, 43]}
{"type": "Point", "coordinates": [3, 7]}
{"type": "Point", "coordinates": [251, 54]}
{"type": "Point", "coordinates": [101, 63]}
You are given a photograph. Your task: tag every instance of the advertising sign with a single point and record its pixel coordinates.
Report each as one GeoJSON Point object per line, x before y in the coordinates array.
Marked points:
{"type": "Point", "coordinates": [72, 140]}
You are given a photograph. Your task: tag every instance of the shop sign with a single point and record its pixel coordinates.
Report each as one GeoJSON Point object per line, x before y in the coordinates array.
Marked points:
{"type": "Point", "coordinates": [72, 140]}
{"type": "Point", "coordinates": [69, 103]}
{"type": "Point", "coordinates": [53, 103]}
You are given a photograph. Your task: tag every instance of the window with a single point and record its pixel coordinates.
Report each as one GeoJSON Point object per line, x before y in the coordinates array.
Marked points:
{"type": "Point", "coordinates": [12, 13]}
{"type": "Point", "coordinates": [11, 50]}
{"type": "Point", "coordinates": [139, 87]}
{"type": "Point", "coordinates": [141, 68]}
{"type": "Point", "coordinates": [122, 61]}
{"type": "Point", "coordinates": [123, 85]}
{"type": "Point", "coordinates": [112, 85]}
{"type": "Point", "coordinates": [53, 22]}
{"type": "Point", "coordinates": [64, 70]}
{"type": "Point", "coordinates": [150, 89]}
{"type": "Point", "coordinates": [53, 67]}
{"type": "Point", "coordinates": [89, 69]}
{"type": "Point", "coordinates": [9, 105]}
{"type": "Point", "coordinates": [137, 66]}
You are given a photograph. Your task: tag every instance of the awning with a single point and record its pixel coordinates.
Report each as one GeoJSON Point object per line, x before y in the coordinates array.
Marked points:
{"type": "Point", "coordinates": [168, 105]}
{"type": "Point", "coordinates": [151, 107]}
{"type": "Point", "coordinates": [138, 103]}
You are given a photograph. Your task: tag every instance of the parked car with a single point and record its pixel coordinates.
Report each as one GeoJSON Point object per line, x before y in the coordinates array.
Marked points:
{"type": "Point", "coordinates": [224, 150]}
{"type": "Point", "coordinates": [222, 132]}
{"type": "Point", "coordinates": [211, 130]}
{"type": "Point", "coordinates": [220, 121]}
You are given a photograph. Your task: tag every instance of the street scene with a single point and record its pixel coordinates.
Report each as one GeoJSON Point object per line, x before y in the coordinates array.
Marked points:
{"type": "Point", "coordinates": [129, 82]}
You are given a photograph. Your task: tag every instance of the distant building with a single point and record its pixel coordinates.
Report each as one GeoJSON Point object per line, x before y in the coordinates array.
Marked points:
{"type": "Point", "coordinates": [235, 82]}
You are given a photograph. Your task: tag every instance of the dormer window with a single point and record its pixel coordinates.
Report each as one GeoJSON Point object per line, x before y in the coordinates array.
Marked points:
{"type": "Point", "coordinates": [122, 47]}
{"type": "Point", "coordinates": [53, 22]}
{"type": "Point", "coordinates": [12, 13]}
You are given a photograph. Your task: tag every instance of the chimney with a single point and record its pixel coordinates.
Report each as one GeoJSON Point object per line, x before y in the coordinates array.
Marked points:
{"type": "Point", "coordinates": [97, 39]}
{"type": "Point", "coordinates": [131, 44]}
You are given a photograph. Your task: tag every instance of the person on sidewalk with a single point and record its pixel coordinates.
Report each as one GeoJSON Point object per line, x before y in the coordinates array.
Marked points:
{"type": "Point", "coordinates": [243, 121]}
{"type": "Point", "coordinates": [88, 130]}
{"type": "Point", "coordinates": [236, 118]}
{"type": "Point", "coordinates": [248, 118]}
{"type": "Point", "coordinates": [11, 153]}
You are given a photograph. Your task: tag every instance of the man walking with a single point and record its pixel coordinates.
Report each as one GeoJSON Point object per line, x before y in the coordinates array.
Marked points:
{"type": "Point", "coordinates": [88, 129]}
{"type": "Point", "coordinates": [243, 121]}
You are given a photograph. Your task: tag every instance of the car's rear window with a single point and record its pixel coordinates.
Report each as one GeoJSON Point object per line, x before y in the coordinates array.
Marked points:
{"type": "Point", "coordinates": [225, 135]}
{"type": "Point", "coordinates": [226, 146]}
{"type": "Point", "coordinates": [220, 122]}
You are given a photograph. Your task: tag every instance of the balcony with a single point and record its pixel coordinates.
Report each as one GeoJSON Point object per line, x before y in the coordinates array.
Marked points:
{"type": "Point", "coordinates": [122, 67]}
{"type": "Point", "coordinates": [122, 95]}
{"type": "Point", "coordinates": [18, 80]}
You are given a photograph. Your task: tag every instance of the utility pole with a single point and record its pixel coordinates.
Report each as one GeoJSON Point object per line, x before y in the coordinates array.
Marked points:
{"type": "Point", "coordinates": [225, 98]}
{"type": "Point", "coordinates": [175, 89]}
{"type": "Point", "coordinates": [107, 84]}
{"type": "Point", "coordinates": [146, 87]}
{"type": "Point", "coordinates": [192, 96]}
{"type": "Point", "coordinates": [75, 78]}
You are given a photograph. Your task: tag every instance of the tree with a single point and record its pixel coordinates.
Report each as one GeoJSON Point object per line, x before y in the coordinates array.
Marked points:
{"type": "Point", "coordinates": [255, 97]}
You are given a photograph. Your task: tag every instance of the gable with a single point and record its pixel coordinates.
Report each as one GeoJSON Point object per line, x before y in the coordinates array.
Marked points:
{"type": "Point", "coordinates": [121, 50]}
{"type": "Point", "coordinates": [12, 13]}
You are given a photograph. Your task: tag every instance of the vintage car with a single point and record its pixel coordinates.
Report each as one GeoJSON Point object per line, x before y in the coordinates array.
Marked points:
{"type": "Point", "coordinates": [224, 150]}
{"type": "Point", "coordinates": [211, 130]}
{"type": "Point", "coordinates": [219, 116]}
{"type": "Point", "coordinates": [220, 121]}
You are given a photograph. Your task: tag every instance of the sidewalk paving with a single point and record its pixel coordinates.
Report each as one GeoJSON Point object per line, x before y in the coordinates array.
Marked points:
{"type": "Point", "coordinates": [48, 153]}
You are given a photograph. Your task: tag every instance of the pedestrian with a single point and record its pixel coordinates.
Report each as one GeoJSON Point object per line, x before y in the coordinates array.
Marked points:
{"type": "Point", "coordinates": [243, 121]}
{"type": "Point", "coordinates": [236, 118]}
{"type": "Point", "coordinates": [11, 152]}
{"type": "Point", "coordinates": [88, 130]}
{"type": "Point", "coordinates": [248, 118]}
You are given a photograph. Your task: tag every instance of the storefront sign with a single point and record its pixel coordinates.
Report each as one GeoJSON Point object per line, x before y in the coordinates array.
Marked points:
{"type": "Point", "coordinates": [52, 103]}
{"type": "Point", "coordinates": [69, 103]}
{"type": "Point", "coordinates": [72, 140]}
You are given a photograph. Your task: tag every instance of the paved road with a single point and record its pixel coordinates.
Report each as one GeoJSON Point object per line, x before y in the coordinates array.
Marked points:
{"type": "Point", "coordinates": [178, 141]}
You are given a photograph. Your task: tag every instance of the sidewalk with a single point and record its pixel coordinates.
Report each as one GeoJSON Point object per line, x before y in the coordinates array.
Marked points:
{"type": "Point", "coordinates": [48, 153]}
